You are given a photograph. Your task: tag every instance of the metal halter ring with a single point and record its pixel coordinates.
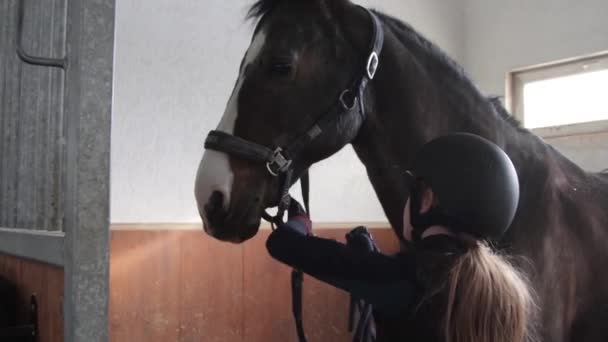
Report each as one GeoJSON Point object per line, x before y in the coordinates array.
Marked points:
{"type": "Point", "coordinates": [278, 163]}
{"type": "Point", "coordinates": [372, 65]}
{"type": "Point", "coordinates": [344, 100]}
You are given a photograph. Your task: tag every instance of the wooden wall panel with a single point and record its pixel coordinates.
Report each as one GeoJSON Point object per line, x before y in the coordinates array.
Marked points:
{"type": "Point", "coordinates": [46, 282]}
{"type": "Point", "coordinates": [267, 300]}
{"type": "Point", "coordinates": [181, 285]}
{"type": "Point", "coordinates": [211, 291]}
{"type": "Point", "coordinates": [145, 283]}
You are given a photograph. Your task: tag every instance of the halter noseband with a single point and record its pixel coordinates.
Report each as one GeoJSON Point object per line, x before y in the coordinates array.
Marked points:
{"type": "Point", "coordinates": [279, 160]}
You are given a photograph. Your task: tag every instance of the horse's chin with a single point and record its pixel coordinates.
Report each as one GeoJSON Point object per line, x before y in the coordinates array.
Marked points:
{"type": "Point", "coordinates": [233, 233]}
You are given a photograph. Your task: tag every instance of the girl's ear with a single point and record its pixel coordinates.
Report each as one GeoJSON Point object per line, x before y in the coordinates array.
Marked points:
{"type": "Point", "coordinates": [428, 200]}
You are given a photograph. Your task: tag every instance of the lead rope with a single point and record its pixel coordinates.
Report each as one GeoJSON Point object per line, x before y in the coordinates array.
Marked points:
{"type": "Point", "coordinates": [297, 276]}
{"type": "Point", "coordinates": [364, 330]}
{"type": "Point", "coordinates": [360, 319]}
{"type": "Point", "coordinates": [283, 203]}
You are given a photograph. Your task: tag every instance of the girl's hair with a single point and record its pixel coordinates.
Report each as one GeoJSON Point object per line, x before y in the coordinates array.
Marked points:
{"type": "Point", "coordinates": [489, 300]}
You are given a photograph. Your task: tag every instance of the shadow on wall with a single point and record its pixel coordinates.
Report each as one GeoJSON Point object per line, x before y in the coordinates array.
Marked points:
{"type": "Point", "coordinates": [8, 303]}
{"type": "Point", "coordinates": [18, 321]}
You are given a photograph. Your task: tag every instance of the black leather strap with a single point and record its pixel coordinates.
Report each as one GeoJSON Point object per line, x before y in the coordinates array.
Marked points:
{"type": "Point", "coordinates": [235, 146]}
{"type": "Point", "coordinates": [357, 91]}
{"type": "Point", "coordinates": [305, 185]}
{"type": "Point", "coordinates": [361, 312]}
{"type": "Point", "coordinates": [297, 280]}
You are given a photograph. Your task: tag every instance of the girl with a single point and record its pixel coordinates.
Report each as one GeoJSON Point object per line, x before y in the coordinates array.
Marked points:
{"type": "Point", "coordinates": [448, 284]}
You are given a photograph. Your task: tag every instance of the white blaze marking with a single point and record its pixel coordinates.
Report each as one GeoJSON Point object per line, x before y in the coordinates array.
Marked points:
{"type": "Point", "coordinates": [214, 173]}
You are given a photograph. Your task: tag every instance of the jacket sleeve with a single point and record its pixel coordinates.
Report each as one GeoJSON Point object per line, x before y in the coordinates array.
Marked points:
{"type": "Point", "coordinates": [383, 281]}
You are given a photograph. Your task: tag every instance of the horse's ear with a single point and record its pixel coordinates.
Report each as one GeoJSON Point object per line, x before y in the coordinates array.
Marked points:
{"type": "Point", "coordinates": [350, 18]}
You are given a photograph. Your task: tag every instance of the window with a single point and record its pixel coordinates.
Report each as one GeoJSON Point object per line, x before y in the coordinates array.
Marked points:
{"type": "Point", "coordinates": [564, 98]}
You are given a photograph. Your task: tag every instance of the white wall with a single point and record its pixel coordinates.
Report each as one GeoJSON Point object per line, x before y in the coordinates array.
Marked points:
{"type": "Point", "coordinates": [175, 66]}
{"type": "Point", "coordinates": [502, 35]}
{"type": "Point", "coordinates": [505, 34]}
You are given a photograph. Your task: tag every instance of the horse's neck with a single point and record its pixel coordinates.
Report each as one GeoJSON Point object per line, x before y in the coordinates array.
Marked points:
{"type": "Point", "coordinates": [409, 107]}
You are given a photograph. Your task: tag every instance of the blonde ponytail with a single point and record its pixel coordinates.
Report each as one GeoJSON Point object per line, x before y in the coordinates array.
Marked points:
{"type": "Point", "coordinates": [489, 300]}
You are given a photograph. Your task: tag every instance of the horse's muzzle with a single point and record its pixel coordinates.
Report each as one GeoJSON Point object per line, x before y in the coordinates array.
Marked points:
{"type": "Point", "coordinates": [219, 224]}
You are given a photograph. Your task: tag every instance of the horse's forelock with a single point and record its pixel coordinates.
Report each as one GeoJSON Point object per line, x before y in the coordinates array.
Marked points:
{"type": "Point", "coordinates": [263, 7]}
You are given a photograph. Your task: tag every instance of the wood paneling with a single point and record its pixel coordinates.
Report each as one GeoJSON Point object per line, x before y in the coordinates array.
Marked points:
{"type": "Point", "coordinates": [181, 285]}
{"type": "Point", "coordinates": [145, 283]}
{"type": "Point", "coordinates": [211, 292]}
{"type": "Point", "coordinates": [46, 282]}
{"type": "Point", "coordinates": [267, 295]}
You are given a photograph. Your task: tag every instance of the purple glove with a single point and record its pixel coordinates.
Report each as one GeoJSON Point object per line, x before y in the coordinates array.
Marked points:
{"type": "Point", "coordinates": [298, 219]}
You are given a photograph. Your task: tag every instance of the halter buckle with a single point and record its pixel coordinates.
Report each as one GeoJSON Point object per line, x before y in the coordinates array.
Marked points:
{"type": "Point", "coordinates": [278, 163]}
{"type": "Point", "coordinates": [372, 65]}
{"type": "Point", "coordinates": [344, 100]}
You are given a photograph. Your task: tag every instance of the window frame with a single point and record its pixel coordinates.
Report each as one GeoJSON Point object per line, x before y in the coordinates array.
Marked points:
{"type": "Point", "coordinates": [517, 78]}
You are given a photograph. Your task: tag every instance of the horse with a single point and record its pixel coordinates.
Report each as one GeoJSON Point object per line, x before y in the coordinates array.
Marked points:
{"type": "Point", "coordinates": [303, 54]}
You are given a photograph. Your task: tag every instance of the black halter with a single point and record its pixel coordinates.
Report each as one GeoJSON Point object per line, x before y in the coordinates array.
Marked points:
{"type": "Point", "coordinates": [278, 160]}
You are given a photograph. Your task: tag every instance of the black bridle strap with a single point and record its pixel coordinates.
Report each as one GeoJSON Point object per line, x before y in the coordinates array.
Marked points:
{"type": "Point", "coordinates": [357, 90]}
{"type": "Point", "coordinates": [284, 201]}
{"type": "Point", "coordinates": [297, 281]}
{"type": "Point", "coordinates": [305, 185]}
{"type": "Point", "coordinates": [297, 276]}
{"type": "Point", "coordinates": [364, 329]}
{"type": "Point", "coordinates": [239, 147]}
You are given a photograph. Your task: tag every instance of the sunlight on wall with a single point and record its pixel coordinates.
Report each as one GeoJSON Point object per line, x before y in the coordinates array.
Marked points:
{"type": "Point", "coordinates": [566, 100]}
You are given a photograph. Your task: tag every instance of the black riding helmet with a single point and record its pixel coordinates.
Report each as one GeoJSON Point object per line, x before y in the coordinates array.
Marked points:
{"type": "Point", "coordinates": [475, 183]}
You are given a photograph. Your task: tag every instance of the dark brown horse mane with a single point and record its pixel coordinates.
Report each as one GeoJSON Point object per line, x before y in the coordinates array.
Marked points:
{"type": "Point", "coordinates": [408, 36]}
{"type": "Point", "coordinates": [504, 113]}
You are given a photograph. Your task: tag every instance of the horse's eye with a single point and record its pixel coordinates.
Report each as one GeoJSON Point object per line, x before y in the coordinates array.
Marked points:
{"type": "Point", "coordinates": [281, 68]}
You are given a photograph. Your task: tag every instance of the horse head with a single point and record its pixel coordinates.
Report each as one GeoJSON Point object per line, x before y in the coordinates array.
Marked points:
{"type": "Point", "coordinates": [302, 58]}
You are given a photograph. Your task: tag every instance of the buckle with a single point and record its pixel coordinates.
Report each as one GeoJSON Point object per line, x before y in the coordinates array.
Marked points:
{"type": "Point", "coordinates": [278, 163]}
{"type": "Point", "coordinates": [344, 100]}
{"type": "Point", "coordinates": [372, 65]}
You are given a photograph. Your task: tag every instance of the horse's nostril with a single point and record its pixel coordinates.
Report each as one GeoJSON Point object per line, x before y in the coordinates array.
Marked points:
{"type": "Point", "coordinates": [216, 201]}
{"type": "Point", "coordinates": [214, 209]}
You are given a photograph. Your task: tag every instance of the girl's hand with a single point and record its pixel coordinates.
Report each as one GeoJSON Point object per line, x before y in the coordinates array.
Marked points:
{"type": "Point", "coordinates": [298, 219]}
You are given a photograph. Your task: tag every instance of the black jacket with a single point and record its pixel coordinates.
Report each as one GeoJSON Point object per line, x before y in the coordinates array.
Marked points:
{"type": "Point", "coordinates": [407, 290]}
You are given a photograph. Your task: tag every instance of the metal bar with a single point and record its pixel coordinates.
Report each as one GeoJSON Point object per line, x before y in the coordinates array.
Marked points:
{"type": "Point", "coordinates": [27, 58]}
{"type": "Point", "coordinates": [47, 247]}
{"type": "Point", "coordinates": [87, 178]}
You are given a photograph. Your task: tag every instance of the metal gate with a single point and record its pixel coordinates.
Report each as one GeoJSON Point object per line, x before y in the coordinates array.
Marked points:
{"type": "Point", "coordinates": [56, 59]}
